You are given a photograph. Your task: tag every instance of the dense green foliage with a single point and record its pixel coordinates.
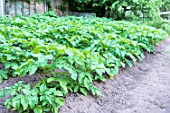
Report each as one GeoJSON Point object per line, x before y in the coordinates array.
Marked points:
{"type": "Point", "coordinates": [161, 24]}
{"type": "Point", "coordinates": [166, 5]}
{"type": "Point", "coordinates": [119, 9]}
{"type": "Point", "coordinates": [68, 54]}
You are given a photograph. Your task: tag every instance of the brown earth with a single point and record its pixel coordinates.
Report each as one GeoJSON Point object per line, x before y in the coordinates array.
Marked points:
{"type": "Point", "coordinates": [144, 88]}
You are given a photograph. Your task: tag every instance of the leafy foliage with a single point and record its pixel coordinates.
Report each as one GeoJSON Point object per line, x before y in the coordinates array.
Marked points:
{"type": "Point", "coordinates": [166, 5]}
{"type": "Point", "coordinates": [68, 54]}
{"type": "Point", "coordinates": [118, 8]}
{"type": "Point", "coordinates": [39, 99]}
{"type": "Point", "coordinates": [157, 23]}
{"type": "Point", "coordinates": [161, 24]}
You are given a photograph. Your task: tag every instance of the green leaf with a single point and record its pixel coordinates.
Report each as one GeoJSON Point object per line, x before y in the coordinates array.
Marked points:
{"type": "Point", "coordinates": [7, 65]}
{"type": "Point", "coordinates": [86, 82]}
{"type": "Point", "coordinates": [123, 64]}
{"type": "Point", "coordinates": [26, 91]}
{"type": "Point", "coordinates": [111, 76]}
{"type": "Point", "coordinates": [55, 110]}
{"type": "Point", "coordinates": [46, 109]}
{"type": "Point", "coordinates": [98, 93]}
{"type": "Point", "coordinates": [40, 48]}
{"type": "Point", "coordinates": [90, 76]}
{"type": "Point", "coordinates": [14, 65]}
{"type": "Point", "coordinates": [50, 57]}
{"type": "Point", "coordinates": [58, 93]}
{"type": "Point", "coordinates": [13, 92]}
{"type": "Point", "coordinates": [50, 99]}
{"type": "Point", "coordinates": [81, 77]}
{"type": "Point", "coordinates": [76, 88]}
{"type": "Point", "coordinates": [100, 71]}
{"type": "Point", "coordinates": [43, 88]}
{"type": "Point", "coordinates": [51, 79]}
{"type": "Point", "coordinates": [74, 75]}
{"type": "Point", "coordinates": [24, 102]}
{"type": "Point", "coordinates": [59, 101]}
{"type": "Point", "coordinates": [70, 53]}
{"type": "Point", "coordinates": [8, 103]}
{"type": "Point", "coordinates": [3, 93]}
{"type": "Point", "coordinates": [23, 69]}
{"type": "Point", "coordinates": [84, 91]}
{"type": "Point", "coordinates": [79, 61]}
{"type": "Point", "coordinates": [32, 69]}
{"type": "Point", "coordinates": [102, 78]}
{"type": "Point", "coordinates": [38, 109]}
{"type": "Point", "coordinates": [10, 57]}
{"type": "Point", "coordinates": [42, 98]}
{"type": "Point", "coordinates": [133, 58]}
{"type": "Point", "coordinates": [16, 105]}
{"type": "Point", "coordinates": [45, 102]}
{"type": "Point", "coordinates": [129, 63]}
{"type": "Point", "coordinates": [3, 75]}
{"type": "Point", "coordinates": [42, 61]}
{"type": "Point", "coordinates": [33, 101]}
{"type": "Point", "coordinates": [63, 85]}
{"type": "Point", "coordinates": [23, 72]}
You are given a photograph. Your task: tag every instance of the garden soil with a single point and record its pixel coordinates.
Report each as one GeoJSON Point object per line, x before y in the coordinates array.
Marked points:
{"type": "Point", "coordinates": [144, 88]}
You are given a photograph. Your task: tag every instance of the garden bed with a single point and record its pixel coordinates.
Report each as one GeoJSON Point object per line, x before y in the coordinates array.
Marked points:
{"type": "Point", "coordinates": [85, 49]}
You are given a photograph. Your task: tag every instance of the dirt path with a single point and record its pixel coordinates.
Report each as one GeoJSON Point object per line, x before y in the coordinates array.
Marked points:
{"type": "Point", "coordinates": [145, 88]}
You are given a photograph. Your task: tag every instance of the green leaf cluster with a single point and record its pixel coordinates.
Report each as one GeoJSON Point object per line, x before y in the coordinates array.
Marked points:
{"type": "Point", "coordinates": [40, 99]}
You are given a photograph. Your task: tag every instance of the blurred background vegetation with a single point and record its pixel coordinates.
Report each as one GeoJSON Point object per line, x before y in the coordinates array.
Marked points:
{"type": "Point", "coordinates": [143, 11]}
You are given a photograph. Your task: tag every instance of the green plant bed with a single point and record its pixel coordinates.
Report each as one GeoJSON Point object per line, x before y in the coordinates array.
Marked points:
{"type": "Point", "coordinates": [161, 24]}
{"type": "Point", "coordinates": [83, 49]}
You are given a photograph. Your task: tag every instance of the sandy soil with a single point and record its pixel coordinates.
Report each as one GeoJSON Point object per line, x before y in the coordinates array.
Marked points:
{"type": "Point", "coordinates": [144, 88]}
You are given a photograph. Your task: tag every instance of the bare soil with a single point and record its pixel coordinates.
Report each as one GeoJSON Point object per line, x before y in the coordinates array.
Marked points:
{"type": "Point", "coordinates": [144, 88]}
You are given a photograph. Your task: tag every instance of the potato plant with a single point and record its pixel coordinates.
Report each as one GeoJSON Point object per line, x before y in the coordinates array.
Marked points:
{"type": "Point", "coordinates": [82, 50]}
